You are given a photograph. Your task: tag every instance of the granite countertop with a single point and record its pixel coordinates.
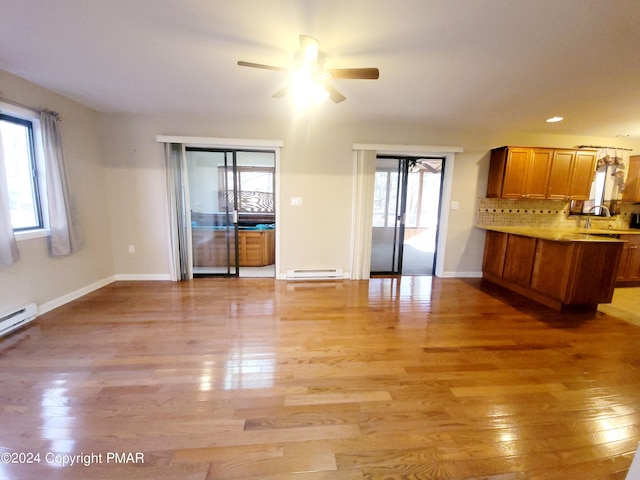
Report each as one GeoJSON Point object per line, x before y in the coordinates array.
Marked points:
{"type": "Point", "coordinates": [560, 235]}
{"type": "Point", "coordinates": [607, 231]}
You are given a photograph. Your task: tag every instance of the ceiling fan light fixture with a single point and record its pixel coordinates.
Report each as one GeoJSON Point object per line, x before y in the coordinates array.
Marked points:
{"type": "Point", "coordinates": [309, 81]}
{"type": "Point", "coordinates": [306, 90]}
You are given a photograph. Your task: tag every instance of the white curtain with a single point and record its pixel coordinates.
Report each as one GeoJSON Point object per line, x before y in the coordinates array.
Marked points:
{"type": "Point", "coordinates": [66, 234]}
{"type": "Point", "coordinates": [179, 214]}
{"type": "Point", "coordinates": [8, 247]}
{"type": "Point", "coordinates": [365, 170]}
{"type": "Point", "coordinates": [614, 162]}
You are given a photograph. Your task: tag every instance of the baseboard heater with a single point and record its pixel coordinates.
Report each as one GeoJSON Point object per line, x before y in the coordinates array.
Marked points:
{"type": "Point", "coordinates": [322, 274]}
{"type": "Point", "coordinates": [17, 318]}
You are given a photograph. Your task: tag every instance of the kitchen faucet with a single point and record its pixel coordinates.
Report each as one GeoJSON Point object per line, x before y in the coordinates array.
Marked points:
{"type": "Point", "coordinates": [587, 225]}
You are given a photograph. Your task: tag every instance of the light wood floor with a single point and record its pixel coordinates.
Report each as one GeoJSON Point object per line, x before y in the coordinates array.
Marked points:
{"type": "Point", "coordinates": [625, 305]}
{"type": "Point", "coordinates": [416, 378]}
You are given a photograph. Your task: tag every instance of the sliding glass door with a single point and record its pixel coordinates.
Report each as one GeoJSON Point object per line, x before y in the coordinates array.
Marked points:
{"type": "Point", "coordinates": [213, 201]}
{"type": "Point", "coordinates": [405, 215]}
{"type": "Point", "coordinates": [231, 197]}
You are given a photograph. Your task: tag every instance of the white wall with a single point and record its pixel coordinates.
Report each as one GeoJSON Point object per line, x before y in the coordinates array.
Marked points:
{"type": "Point", "coordinates": [37, 277]}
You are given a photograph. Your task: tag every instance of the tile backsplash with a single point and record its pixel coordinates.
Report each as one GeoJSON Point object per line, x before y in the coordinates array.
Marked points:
{"type": "Point", "coordinates": [543, 214]}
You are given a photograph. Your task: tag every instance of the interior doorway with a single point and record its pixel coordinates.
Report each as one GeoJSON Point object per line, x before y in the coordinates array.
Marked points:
{"type": "Point", "coordinates": [406, 213]}
{"type": "Point", "coordinates": [232, 211]}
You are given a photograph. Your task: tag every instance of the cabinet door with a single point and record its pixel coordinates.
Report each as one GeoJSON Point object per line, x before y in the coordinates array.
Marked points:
{"type": "Point", "coordinates": [624, 262]}
{"type": "Point", "coordinates": [537, 179]}
{"type": "Point", "coordinates": [633, 263]}
{"type": "Point", "coordinates": [515, 174]}
{"type": "Point", "coordinates": [518, 260]}
{"type": "Point", "coordinates": [562, 167]}
{"type": "Point", "coordinates": [582, 175]}
{"type": "Point", "coordinates": [632, 187]}
{"type": "Point", "coordinates": [495, 246]}
{"type": "Point", "coordinates": [593, 275]}
{"type": "Point", "coordinates": [629, 269]}
{"type": "Point", "coordinates": [497, 165]}
{"type": "Point", "coordinates": [552, 268]}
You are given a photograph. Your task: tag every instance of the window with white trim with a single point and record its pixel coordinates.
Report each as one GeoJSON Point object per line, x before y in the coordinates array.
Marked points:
{"type": "Point", "coordinates": [24, 170]}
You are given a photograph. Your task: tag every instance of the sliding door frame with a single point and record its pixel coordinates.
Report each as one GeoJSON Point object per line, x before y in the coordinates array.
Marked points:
{"type": "Point", "coordinates": [365, 153]}
{"type": "Point", "coordinates": [237, 144]}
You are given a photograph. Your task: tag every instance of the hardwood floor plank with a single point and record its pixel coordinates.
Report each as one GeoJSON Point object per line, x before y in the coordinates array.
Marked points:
{"type": "Point", "coordinates": [413, 377]}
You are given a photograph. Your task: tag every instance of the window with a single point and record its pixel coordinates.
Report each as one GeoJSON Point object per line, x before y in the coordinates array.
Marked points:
{"type": "Point", "coordinates": [255, 188]}
{"type": "Point", "coordinates": [21, 165]}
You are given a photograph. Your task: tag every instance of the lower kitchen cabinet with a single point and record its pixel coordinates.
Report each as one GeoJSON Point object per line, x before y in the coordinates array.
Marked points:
{"type": "Point", "coordinates": [518, 260]}
{"type": "Point", "coordinates": [495, 248]}
{"type": "Point", "coordinates": [559, 274]}
{"type": "Point", "coordinates": [629, 269]}
{"type": "Point", "coordinates": [552, 268]}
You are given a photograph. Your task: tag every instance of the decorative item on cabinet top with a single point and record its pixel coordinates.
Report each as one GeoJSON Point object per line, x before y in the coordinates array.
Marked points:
{"type": "Point", "coordinates": [541, 173]}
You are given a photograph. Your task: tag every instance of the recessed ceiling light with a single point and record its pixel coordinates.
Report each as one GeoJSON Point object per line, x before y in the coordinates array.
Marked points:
{"type": "Point", "coordinates": [554, 119]}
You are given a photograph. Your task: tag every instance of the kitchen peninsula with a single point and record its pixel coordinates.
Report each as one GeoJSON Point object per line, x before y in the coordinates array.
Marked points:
{"type": "Point", "coordinates": [564, 270]}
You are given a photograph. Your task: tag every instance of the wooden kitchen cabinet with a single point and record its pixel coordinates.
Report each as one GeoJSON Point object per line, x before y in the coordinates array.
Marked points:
{"type": "Point", "coordinates": [519, 172]}
{"type": "Point", "coordinates": [582, 175]}
{"type": "Point", "coordinates": [518, 260]}
{"type": "Point", "coordinates": [571, 174]}
{"type": "Point", "coordinates": [537, 173]}
{"type": "Point", "coordinates": [559, 274]}
{"type": "Point", "coordinates": [561, 172]}
{"type": "Point", "coordinates": [632, 185]}
{"type": "Point", "coordinates": [494, 252]}
{"type": "Point", "coordinates": [216, 248]}
{"type": "Point", "coordinates": [629, 268]}
{"type": "Point", "coordinates": [552, 268]}
{"type": "Point", "coordinates": [256, 248]}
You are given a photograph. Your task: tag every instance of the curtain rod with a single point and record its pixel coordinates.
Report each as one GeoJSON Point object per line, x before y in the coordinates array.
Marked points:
{"type": "Point", "coordinates": [600, 146]}
{"type": "Point", "coordinates": [27, 107]}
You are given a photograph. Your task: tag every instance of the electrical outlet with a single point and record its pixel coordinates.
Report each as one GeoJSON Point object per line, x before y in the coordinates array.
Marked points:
{"type": "Point", "coordinates": [296, 201]}
{"type": "Point", "coordinates": [132, 249]}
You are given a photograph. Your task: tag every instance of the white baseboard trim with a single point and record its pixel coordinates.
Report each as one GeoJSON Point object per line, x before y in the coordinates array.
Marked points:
{"type": "Point", "coordinates": [69, 297]}
{"type": "Point", "coordinates": [125, 277]}
{"type": "Point", "coordinates": [461, 275]}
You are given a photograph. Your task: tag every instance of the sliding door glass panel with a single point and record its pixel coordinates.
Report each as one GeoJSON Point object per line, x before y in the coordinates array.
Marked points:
{"type": "Point", "coordinates": [213, 204]}
{"type": "Point", "coordinates": [386, 240]}
{"type": "Point", "coordinates": [423, 207]}
{"type": "Point", "coordinates": [255, 180]}
{"type": "Point", "coordinates": [405, 215]}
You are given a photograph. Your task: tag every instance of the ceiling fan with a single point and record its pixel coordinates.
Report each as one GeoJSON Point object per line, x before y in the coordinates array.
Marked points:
{"type": "Point", "coordinates": [309, 77]}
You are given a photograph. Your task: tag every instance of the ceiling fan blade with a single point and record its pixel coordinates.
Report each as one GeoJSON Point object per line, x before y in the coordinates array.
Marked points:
{"type": "Point", "coordinates": [283, 92]}
{"type": "Point", "coordinates": [334, 94]}
{"type": "Point", "coordinates": [354, 73]}
{"type": "Point", "coordinates": [262, 66]}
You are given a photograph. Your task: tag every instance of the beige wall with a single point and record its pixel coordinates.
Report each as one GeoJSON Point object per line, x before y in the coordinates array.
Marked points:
{"type": "Point", "coordinates": [37, 277]}
{"type": "Point", "coordinates": [116, 170]}
{"type": "Point", "coordinates": [316, 164]}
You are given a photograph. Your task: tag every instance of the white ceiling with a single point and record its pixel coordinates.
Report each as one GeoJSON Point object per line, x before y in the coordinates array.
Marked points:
{"type": "Point", "coordinates": [461, 64]}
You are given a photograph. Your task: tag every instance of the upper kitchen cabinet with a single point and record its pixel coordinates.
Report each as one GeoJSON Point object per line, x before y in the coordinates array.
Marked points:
{"type": "Point", "coordinates": [526, 172]}
{"type": "Point", "coordinates": [632, 187]}
{"type": "Point", "coordinates": [519, 172]}
{"type": "Point", "coordinates": [571, 174]}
